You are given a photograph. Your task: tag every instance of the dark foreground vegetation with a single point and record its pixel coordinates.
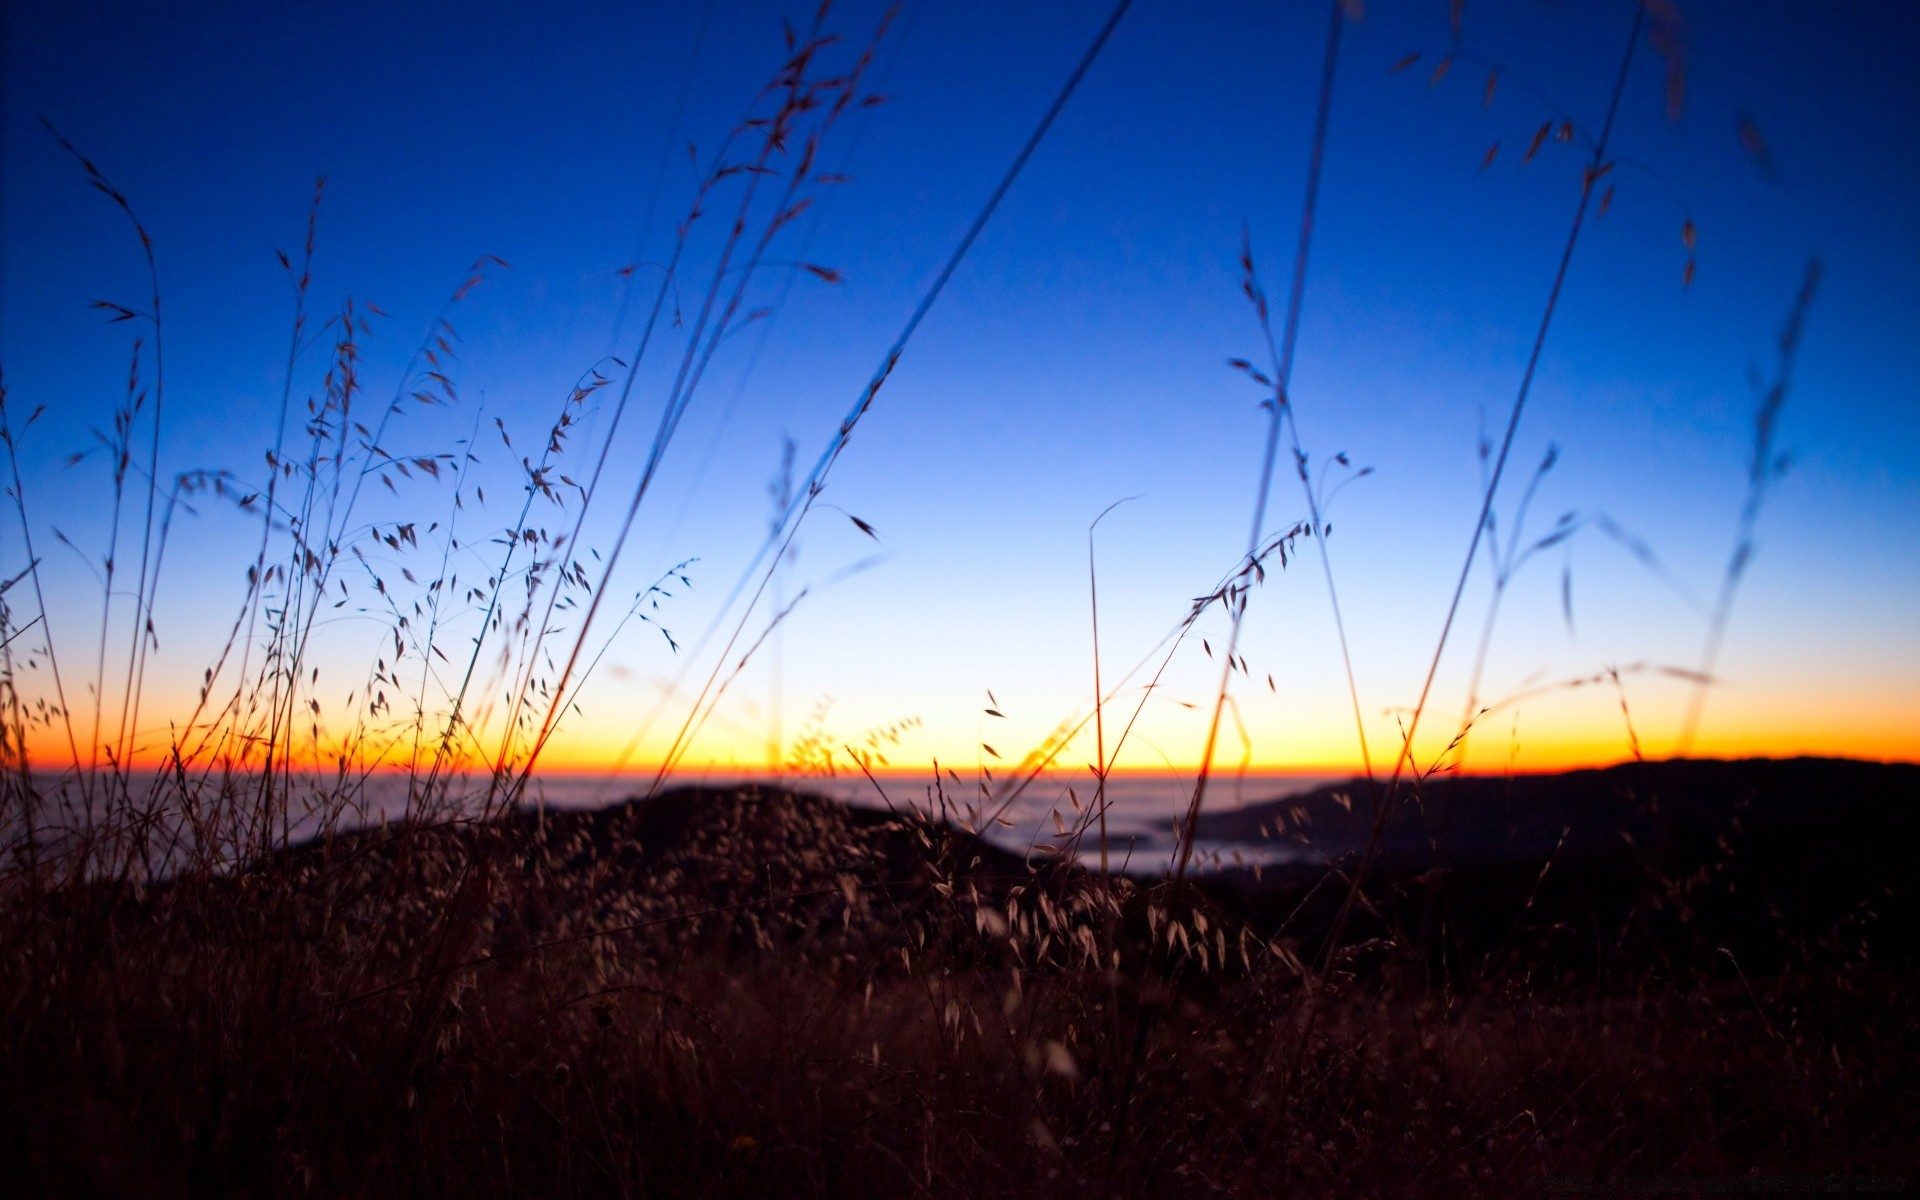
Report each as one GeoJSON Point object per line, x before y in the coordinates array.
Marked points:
{"type": "Point", "coordinates": [761, 993]}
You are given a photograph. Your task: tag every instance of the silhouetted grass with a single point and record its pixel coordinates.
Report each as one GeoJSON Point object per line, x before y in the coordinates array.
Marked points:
{"type": "Point", "coordinates": [230, 964]}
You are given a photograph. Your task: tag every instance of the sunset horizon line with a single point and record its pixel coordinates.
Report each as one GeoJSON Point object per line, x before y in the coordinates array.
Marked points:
{"type": "Point", "coordinates": [736, 772]}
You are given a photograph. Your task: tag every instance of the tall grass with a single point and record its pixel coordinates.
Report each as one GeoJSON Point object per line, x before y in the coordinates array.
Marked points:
{"type": "Point", "coordinates": [239, 961]}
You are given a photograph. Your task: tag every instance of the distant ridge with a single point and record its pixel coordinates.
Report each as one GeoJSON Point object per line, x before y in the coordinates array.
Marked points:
{"type": "Point", "coordinates": [1775, 861]}
{"type": "Point", "coordinates": [1481, 817]}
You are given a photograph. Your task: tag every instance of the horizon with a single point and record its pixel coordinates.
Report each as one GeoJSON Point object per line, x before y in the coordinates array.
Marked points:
{"type": "Point", "coordinates": [699, 775]}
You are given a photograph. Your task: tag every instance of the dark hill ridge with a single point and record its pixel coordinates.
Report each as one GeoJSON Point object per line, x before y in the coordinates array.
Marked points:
{"type": "Point", "coordinates": [1759, 856]}
{"type": "Point", "coordinates": [1753, 855]}
{"type": "Point", "coordinates": [1672, 805]}
{"type": "Point", "coordinates": [691, 867]}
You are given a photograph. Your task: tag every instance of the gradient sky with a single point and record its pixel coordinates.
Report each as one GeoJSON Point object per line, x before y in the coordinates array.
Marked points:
{"type": "Point", "coordinates": [1076, 358]}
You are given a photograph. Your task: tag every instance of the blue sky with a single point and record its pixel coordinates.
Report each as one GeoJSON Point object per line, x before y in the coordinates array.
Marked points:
{"type": "Point", "coordinates": [1077, 356]}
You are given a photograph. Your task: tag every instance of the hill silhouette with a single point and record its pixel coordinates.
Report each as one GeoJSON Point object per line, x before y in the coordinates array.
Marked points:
{"type": "Point", "coordinates": [1753, 856]}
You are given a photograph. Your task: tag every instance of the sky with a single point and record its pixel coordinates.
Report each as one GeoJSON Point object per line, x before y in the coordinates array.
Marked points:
{"type": "Point", "coordinates": [1077, 357]}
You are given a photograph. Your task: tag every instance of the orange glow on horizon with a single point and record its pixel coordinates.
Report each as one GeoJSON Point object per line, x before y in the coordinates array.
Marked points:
{"type": "Point", "coordinates": [1548, 737]}
{"type": "Point", "coordinates": [1573, 755]}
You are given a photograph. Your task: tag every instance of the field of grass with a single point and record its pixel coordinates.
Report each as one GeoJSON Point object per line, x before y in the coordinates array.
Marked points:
{"type": "Point", "coordinates": [225, 970]}
{"type": "Point", "coordinates": [757, 993]}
